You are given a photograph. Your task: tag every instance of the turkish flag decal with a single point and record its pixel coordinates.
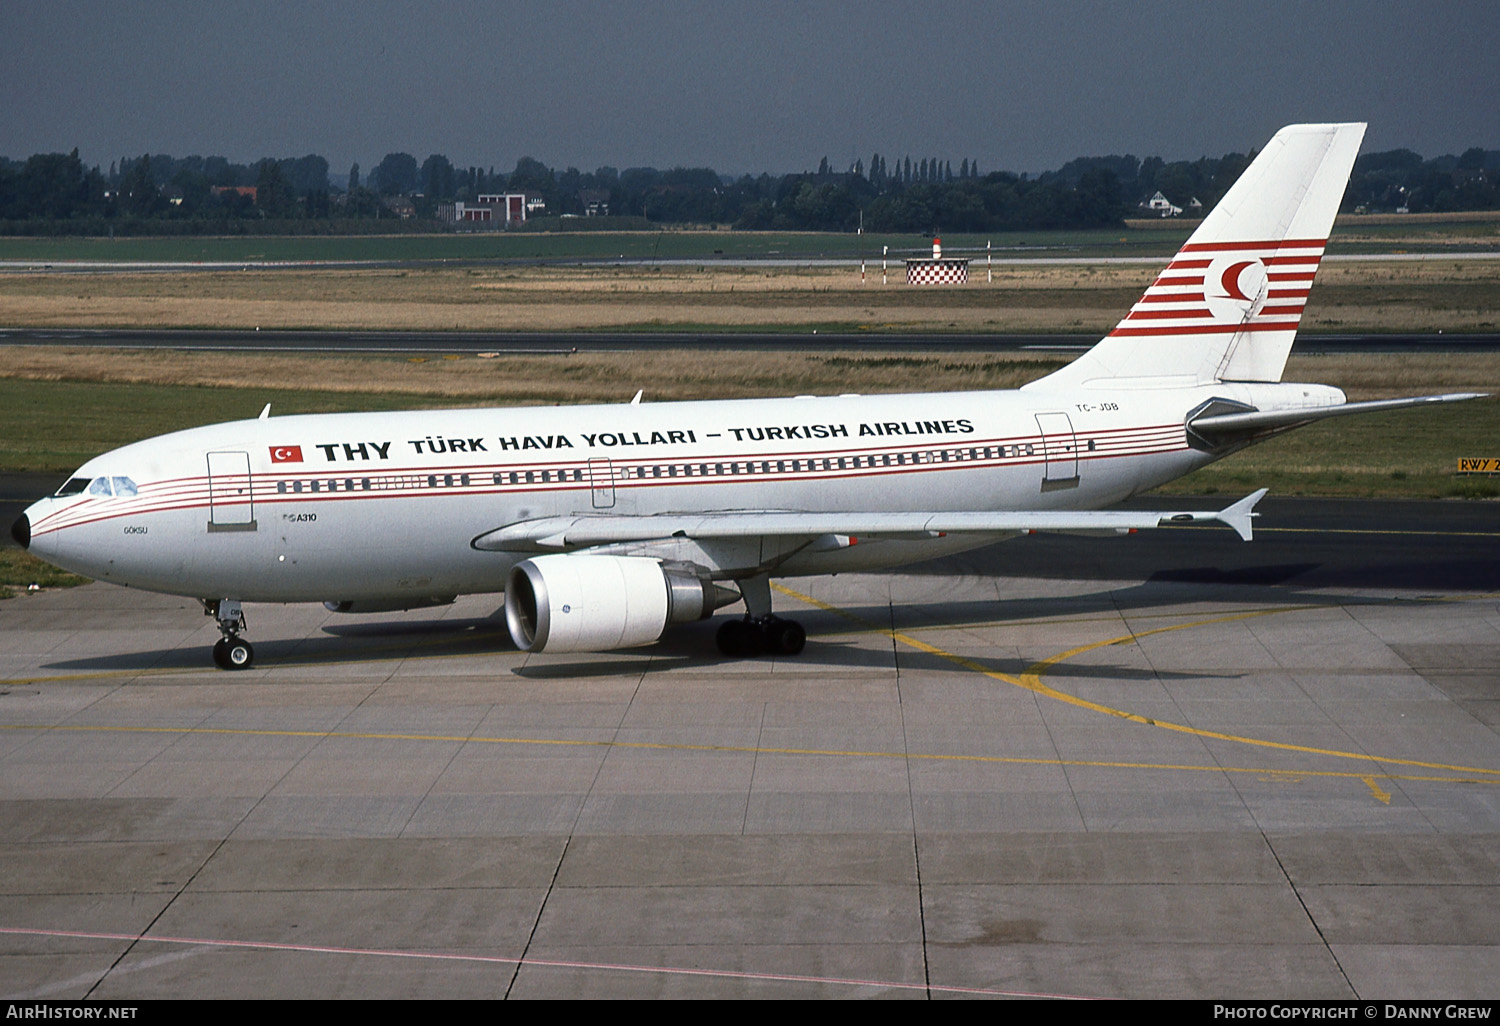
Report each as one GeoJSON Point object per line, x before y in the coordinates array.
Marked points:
{"type": "Point", "coordinates": [286, 454]}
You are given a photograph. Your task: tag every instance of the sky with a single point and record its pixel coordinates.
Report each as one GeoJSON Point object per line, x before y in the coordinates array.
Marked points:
{"type": "Point", "coordinates": [769, 85]}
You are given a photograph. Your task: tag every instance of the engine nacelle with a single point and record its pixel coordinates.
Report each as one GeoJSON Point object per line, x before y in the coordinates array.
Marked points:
{"type": "Point", "coordinates": [597, 603]}
{"type": "Point", "coordinates": [387, 605]}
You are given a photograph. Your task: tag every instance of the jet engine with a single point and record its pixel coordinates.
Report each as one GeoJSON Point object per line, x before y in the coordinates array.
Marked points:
{"type": "Point", "coordinates": [596, 603]}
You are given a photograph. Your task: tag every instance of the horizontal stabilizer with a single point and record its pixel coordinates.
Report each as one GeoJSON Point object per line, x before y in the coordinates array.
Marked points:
{"type": "Point", "coordinates": [1257, 420]}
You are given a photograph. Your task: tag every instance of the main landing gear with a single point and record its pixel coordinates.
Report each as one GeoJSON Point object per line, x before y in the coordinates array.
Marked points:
{"type": "Point", "coordinates": [760, 632]}
{"type": "Point", "coordinates": [231, 652]}
{"type": "Point", "coordinates": [768, 635]}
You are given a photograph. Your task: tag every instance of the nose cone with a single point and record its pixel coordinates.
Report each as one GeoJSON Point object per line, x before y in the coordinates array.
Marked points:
{"type": "Point", "coordinates": [24, 531]}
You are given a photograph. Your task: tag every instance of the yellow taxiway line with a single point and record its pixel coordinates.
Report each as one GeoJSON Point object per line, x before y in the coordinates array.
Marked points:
{"type": "Point", "coordinates": [1031, 680]}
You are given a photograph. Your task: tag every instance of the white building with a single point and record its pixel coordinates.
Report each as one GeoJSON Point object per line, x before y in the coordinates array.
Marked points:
{"type": "Point", "coordinates": [498, 210]}
{"type": "Point", "coordinates": [1161, 206]}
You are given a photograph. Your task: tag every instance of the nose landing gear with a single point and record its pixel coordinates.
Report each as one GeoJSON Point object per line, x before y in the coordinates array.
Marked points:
{"type": "Point", "coordinates": [231, 652]}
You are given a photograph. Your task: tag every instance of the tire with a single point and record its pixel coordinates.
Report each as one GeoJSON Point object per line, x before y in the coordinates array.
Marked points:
{"type": "Point", "coordinates": [785, 637]}
{"type": "Point", "coordinates": [238, 654]}
{"type": "Point", "coordinates": [221, 654]}
{"type": "Point", "coordinates": [739, 638]}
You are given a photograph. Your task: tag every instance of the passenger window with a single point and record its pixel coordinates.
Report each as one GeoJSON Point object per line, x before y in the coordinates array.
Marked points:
{"type": "Point", "coordinates": [100, 487]}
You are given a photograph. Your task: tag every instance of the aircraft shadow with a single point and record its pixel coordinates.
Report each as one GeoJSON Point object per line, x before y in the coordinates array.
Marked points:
{"type": "Point", "coordinates": [391, 639]}
{"type": "Point", "coordinates": [1311, 560]}
{"type": "Point", "coordinates": [692, 646]}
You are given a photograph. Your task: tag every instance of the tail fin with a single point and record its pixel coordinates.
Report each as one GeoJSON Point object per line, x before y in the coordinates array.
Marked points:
{"type": "Point", "coordinates": [1228, 305]}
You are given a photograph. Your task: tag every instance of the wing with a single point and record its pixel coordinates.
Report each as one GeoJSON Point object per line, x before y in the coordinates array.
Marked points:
{"type": "Point", "coordinates": [585, 530]}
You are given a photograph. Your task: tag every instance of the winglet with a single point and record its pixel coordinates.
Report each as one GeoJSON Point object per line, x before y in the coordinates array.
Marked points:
{"type": "Point", "coordinates": [1239, 515]}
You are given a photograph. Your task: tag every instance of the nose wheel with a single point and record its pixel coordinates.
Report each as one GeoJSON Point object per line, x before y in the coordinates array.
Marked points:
{"type": "Point", "coordinates": [231, 652]}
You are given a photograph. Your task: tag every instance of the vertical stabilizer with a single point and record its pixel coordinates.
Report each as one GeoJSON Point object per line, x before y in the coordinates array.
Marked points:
{"type": "Point", "coordinates": [1228, 305]}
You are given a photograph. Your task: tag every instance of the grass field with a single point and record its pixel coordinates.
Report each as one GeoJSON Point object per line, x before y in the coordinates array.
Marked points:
{"type": "Point", "coordinates": [20, 570]}
{"type": "Point", "coordinates": [60, 407]}
{"type": "Point", "coordinates": [1363, 234]}
{"type": "Point", "coordinates": [1449, 295]}
{"type": "Point", "coordinates": [673, 244]}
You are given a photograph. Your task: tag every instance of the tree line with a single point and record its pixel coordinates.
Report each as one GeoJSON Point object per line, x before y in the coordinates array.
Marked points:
{"type": "Point", "coordinates": [54, 192]}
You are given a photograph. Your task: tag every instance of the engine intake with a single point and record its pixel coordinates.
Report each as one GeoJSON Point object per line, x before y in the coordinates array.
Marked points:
{"type": "Point", "coordinates": [596, 603]}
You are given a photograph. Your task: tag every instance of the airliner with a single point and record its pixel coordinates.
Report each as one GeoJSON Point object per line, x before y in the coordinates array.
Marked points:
{"type": "Point", "coordinates": [605, 525]}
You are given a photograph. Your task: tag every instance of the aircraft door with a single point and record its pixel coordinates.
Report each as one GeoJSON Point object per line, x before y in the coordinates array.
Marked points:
{"type": "Point", "coordinates": [231, 503]}
{"type": "Point", "coordinates": [1061, 450]}
{"type": "Point", "coordinates": [602, 480]}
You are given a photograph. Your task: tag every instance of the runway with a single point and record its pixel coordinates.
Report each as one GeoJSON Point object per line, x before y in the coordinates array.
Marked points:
{"type": "Point", "coordinates": [1004, 257]}
{"type": "Point", "coordinates": [1262, 771]}
{"type": "Point", "coordinates": [517, 343]}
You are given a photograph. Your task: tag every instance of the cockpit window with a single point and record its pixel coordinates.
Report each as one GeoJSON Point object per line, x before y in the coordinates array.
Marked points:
{"type": "Point", "coordinates": [119, 487]}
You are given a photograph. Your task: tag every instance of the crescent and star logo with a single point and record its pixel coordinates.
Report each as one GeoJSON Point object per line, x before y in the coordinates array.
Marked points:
{"type": "Point", "coordinates": [1230, 281]}
{"type": "Point", "coordinates": [1235, 288]}
{"type": "Point", "coordinates": [286, 454]}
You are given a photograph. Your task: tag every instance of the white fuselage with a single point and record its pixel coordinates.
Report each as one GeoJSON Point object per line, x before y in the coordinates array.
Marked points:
{"type": "Point", "coordinates": [372, 506]}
